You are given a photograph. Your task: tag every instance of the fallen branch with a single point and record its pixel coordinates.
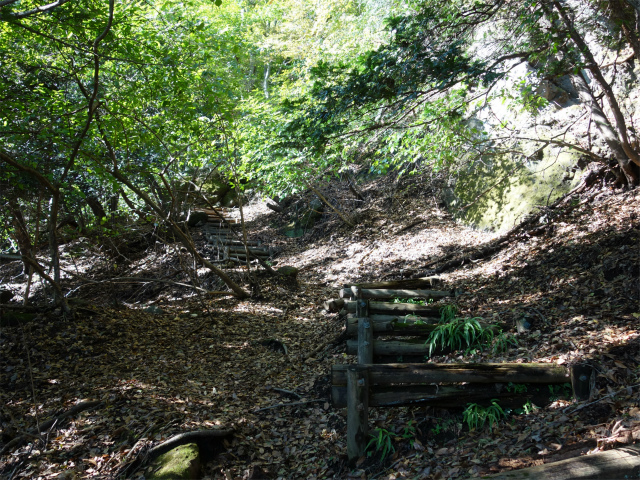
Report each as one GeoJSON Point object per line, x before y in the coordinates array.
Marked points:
{"type": "Point", "coordinates": [50, 423]}
{"type": "Point", "coordinates": [411, 225]}
{"type": "Point", "coordinates": [293, 404]}
{"type": "Point", "coordinates": [203, 438]}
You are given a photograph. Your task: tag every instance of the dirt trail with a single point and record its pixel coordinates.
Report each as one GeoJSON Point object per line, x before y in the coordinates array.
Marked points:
{"type": "Point", "coordinates": [202, 362]}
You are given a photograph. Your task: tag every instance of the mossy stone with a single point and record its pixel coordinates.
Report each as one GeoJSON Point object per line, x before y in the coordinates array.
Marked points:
{"type": "Point", "coordinates": [286, 271]}
{"type": "Point", "coordinates": [182, 462]}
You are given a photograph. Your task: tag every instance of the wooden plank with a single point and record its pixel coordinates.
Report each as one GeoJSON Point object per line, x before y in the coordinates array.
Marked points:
{"type": "Point", "coordinates": [424, 282]}
{"type": "Point", "coordinates": [414, 346]}
{"type": "Point", "coordinates": [393, 325]}
{"type": "Point", "coordinates": [396, 308]}
{"type": "Point", "coordinates": [357, 403]}
{"type": "Point", "coordinates": [398, 293]}
{"type": "Point", "coordinates": [445, 396]}
{"type": "Point", "coordinates": [623, 462]}
{"type": "Point", "coordinates": [408, 326]}
{"type": "Point", "coordinates": [365, 332]}
{"type": "Point", "coordinates": [427, 373]}
{"type": "Point", "coordinates": [582, 381]}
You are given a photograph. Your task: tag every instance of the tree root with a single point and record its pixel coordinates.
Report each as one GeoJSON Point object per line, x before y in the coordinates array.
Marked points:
{"type": "Point", "coordinates": [207, 441]}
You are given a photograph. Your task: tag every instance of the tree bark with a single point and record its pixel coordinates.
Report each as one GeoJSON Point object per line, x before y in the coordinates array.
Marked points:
{"type": "Point", "coordinates": [605, 128]}
{"type": "Point", "coordinates": [593, 67]}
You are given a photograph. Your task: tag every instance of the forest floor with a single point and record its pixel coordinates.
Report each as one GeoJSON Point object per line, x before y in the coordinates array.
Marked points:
{"type": "Point", "coordinates": [162, 359]}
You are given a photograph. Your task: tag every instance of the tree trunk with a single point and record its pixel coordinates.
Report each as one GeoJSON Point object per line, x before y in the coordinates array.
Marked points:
{"type": "Point", "coordinates": [605, 128]}
{"type": "Point", "coordinates": [21, 234]}
{"type": "Point", "coordinates": [593, 67]}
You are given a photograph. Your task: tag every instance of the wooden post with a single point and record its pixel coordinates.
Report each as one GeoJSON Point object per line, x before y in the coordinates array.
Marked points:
{"type": "Point", "coordinates": [365, 329]}
{"type": "Point", "coordinates": [582, 381]}
{"type": "Point", "coordinates": [357, 413]}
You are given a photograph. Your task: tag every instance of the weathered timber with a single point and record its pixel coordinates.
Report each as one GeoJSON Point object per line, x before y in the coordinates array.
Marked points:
{"type": "Point", "coordinates": [395, 326]}
{"type": "Point", "coordinates": [398, 293]}
{"type": "Point", "coordinates": [403, 326]}
{"type": "Point", "coordinates": [227, 241]}
{"type": "Point", "coordinates": [424, 282]}
{"type": "Point", "coordinates": [378, 317]}
{"type": "Point", "coordinates": [357, 399]}
{"type": "Point", "coordinates": [582, 381]}
{"type": "Point", "coordinates": [444, 396]}
{"type": "Point", "coordinates": [365, 330]}
{"type": "Point", "coordinates": [395, 308]}
{"type": "Point", "coordinates": [413, 346]}
{"type": "Point", "coordinates": [240, 248]}
{"type": "Point", "coordinates": [622, 462]}
{"type": "Point", "coordinates": [417, 373]}
{"type": "Point", "coordinates": [334, 305]}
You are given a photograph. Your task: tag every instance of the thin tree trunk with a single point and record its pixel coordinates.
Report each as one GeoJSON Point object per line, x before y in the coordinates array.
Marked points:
{"type": "Point", "coordinates": [593, 67]}
{"type": "Point", "coordinates": [326, 202]}
{"type": "Point", "coordinates": [265, 83]}
{"type": "Point", "coordinates": [184, 239]}
{"type": "Point", "coordinates": [605, 128]}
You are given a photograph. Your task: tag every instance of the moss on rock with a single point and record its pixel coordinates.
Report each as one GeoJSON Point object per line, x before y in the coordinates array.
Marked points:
{"type": "Point", "coordinates": [182, 462]}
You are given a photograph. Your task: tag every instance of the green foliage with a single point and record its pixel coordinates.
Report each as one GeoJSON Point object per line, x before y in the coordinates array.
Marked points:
{"type": "Point", "coordinates": [476, 416]}
{"type": "Point", "coordinates": [516, 387]}
{"type": "Point", "coordinates": [381, 442]}
{"type": "Point", "coordinates": [503, 341]}
{"type": "Point", "coordinates": [459, 333]}
{"type": "Point", "coordinates": [560, 391]}
{"type": "Point", "coordinates": [448, 313]}
{"type": "Point", "coordinates": [443, 426]}
{"type": "Point", "coordinates": [413, 301]}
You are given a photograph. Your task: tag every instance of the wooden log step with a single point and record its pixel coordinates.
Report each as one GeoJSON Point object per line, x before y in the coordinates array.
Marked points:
{"type": "Point", "coordinates": [229, 241]}
{"type": "Point", "coordinates": [394, 325]}
{"type": "Point", "coordinates": [401, 327]}
{"type": "Point", "coordinates": [623, 462]}
{"type": "Point", "coordinates": [334, 305]}
{"type": "Point", "coordinates": [211, 210]}
{"type": "Point", "coordinates": [212, 220]}
{"type": "Point", "coordinates": [396, 293]}
{"type": "Point", "coordinates": [424, 282]}
{"type": "Point", "coordinates": [446, 396]}
{"type": "Point", "coordinates": [427, 373]}
{"type": "Point", "coordinates": [242, 258]}
{"type": "Point", "coordinates": [240, 248]}
{"type": "Point", "coordinates": [238, 260]}
{"type": "Point", "coordinates": [396, 308]}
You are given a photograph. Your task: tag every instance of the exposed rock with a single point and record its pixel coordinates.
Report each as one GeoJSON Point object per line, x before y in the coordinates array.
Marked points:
{"type": "Point", "coordinates": [286, 271]}
{"type": "Point", "coordinates": [182, 462]}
